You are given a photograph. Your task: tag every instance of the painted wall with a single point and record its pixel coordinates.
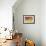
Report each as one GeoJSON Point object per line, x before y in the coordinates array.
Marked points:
{"type": "Point", "coordinates": [28, 7]}
{"type": "Point", "coordinates": [43, 22]}
{"type": "Point", "coordinates": [6, 16]}
{"type": "Point", "coordinates": [6, 13]}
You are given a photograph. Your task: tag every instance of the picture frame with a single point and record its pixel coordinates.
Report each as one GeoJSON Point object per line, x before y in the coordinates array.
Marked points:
{"type": "Point", "coordinates": [28, 19]}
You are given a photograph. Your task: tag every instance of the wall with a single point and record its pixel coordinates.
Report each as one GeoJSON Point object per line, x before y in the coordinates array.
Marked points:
{"type": "Point", "coordinates": [43, 22]}
{"type": "Point", "coordinates": [28, 7]}
{"type": "Point", "coordinates": [6, 16]}
{"type": "Point", "coordinates": [6, 13]}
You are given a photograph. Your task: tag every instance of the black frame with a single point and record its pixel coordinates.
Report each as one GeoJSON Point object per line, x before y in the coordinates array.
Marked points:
{"type": "Point", "coordinates": [29, 15]}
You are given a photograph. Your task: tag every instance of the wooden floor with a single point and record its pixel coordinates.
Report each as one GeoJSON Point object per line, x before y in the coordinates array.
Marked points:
{"type": "Point", "coordinates": [9, 43]}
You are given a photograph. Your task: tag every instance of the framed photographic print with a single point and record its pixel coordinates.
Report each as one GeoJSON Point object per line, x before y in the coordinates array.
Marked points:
{"type": "Point", "coordinates": [28, 19]}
